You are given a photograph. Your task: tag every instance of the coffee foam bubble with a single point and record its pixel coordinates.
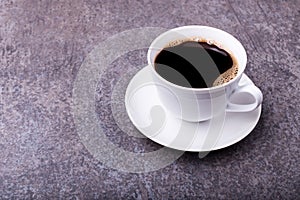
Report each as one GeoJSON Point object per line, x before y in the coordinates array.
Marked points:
{"type": "Point", "coordinates": [227, 76]}
{"type": "Point", "coordinates": [194, 39]}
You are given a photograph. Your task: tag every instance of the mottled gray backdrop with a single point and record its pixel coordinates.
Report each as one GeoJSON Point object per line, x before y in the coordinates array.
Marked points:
{"type": "Point", "coordinates": [42, 46]}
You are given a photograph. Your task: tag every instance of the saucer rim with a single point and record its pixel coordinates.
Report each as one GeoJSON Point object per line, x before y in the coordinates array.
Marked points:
{"type": "Point", "coordinates": [249, 130]}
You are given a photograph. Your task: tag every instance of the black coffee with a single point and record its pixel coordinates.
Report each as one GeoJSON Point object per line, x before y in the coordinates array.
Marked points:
{"type": "Point", "coordinates": [195, 64]}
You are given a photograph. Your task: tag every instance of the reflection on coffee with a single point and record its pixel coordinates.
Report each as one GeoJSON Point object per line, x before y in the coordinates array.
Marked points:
{"type": "Point", "coordinates": [195, 64]}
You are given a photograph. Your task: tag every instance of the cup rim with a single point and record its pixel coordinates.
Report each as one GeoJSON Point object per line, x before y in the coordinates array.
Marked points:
{"type": "Point", "coordinates": [218, 87]}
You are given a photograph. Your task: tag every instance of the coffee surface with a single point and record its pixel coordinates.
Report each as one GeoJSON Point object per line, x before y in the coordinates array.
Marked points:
{"type": "Point", "coordinates": [195, 64]}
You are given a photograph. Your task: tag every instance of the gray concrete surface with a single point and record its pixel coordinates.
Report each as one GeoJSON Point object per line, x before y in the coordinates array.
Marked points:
{"type": "Point", "coordinates": [42, 46]}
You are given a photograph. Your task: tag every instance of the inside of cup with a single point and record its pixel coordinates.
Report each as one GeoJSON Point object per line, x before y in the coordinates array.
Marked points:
{"type": "Point", "coordinates": [218, 37]}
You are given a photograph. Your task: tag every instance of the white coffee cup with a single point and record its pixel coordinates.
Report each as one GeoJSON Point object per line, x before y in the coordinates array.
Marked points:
{"type": "Point", "coordinates": [199, 104]}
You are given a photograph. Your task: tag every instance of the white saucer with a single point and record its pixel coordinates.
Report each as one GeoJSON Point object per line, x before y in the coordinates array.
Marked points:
{"type": "Point", "coordinates": [147, 113]}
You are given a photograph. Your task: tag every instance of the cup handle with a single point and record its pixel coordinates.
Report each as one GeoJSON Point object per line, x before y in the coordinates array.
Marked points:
{"type": "Point", "coordinates": [249, 88]}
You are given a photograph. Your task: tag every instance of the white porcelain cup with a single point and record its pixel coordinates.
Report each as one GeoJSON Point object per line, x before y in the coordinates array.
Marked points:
{"type": "Point", "coordinates": [199, 104]}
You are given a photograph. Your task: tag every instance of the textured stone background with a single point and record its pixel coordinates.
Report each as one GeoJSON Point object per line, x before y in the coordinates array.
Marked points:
{"type": "Point", "coordinates": [42, 46]}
